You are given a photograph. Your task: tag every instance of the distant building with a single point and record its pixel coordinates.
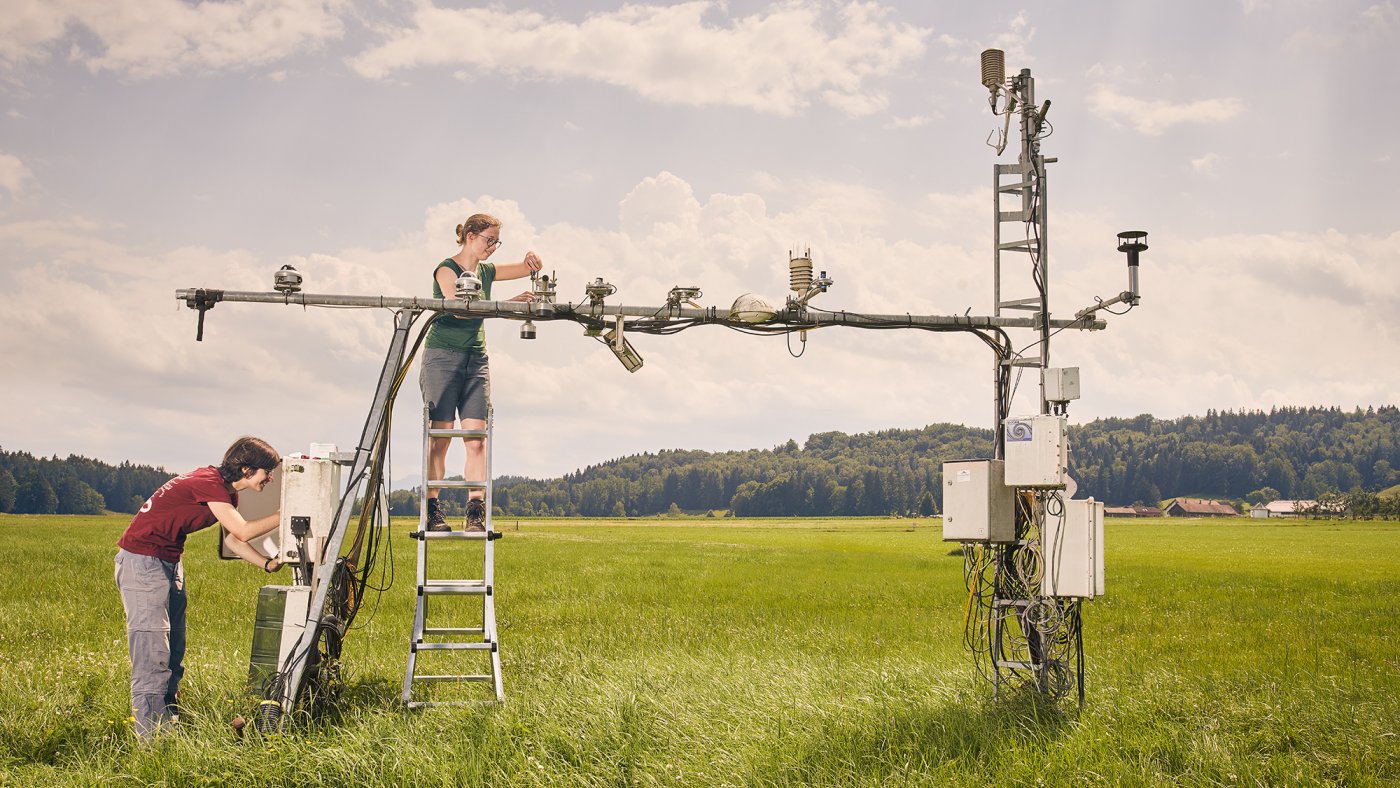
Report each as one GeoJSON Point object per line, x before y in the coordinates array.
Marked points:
{"type": "Point", "coordinates": [1199, 507]}
{"type": "Point", "coordinates": [1296, 509]}
{"type": "Point", "coordinates": [1132, 511]}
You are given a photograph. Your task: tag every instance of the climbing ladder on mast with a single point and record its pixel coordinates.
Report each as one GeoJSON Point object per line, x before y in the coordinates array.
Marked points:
{"type": "Point", "coordinates": [454, 639]}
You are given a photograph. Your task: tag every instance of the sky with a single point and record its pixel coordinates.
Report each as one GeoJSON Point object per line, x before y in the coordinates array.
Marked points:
{"type": "Point", "coordinates": [151, 145]}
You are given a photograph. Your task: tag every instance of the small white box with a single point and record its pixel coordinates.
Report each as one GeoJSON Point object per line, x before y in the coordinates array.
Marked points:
{"type": "Point", "coordinates": [977, 505]}
{"type": "Point", "coordinates": [1072, 546]}
{"type": "Point", "coordinates": [1036, 452]}
{"type": "Point", "coordinates": [1061, 384]}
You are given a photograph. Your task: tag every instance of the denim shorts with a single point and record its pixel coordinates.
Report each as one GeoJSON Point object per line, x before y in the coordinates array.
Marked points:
{"type": "Point", "coordinates": [456, 384]}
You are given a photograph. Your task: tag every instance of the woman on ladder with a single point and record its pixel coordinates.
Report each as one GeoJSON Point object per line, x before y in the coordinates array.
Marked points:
{"type": "Point", "coordinates": [456, 377]}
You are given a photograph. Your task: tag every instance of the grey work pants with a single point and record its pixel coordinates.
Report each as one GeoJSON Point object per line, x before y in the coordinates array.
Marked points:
{"type": "Point", "coordinates": [153, 594]}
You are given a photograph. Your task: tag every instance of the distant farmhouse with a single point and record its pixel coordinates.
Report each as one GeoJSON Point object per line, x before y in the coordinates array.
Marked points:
{"type": "Point", "coordinates": [1297, 509]}
{"type": "Point", "coordinates": [1132, 511]}
{"type": "Point", "coordinates": [1199, 507]}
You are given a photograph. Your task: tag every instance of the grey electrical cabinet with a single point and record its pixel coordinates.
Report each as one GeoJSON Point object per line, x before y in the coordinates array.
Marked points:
{"type": "Point", "coordinates": [977, 504]}
{"type": "Point", "coordinates": [1073, 548]}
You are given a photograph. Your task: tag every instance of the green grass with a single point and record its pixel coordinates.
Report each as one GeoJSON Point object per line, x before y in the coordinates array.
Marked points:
{"type": "Point", "coordinates": [768, 652]}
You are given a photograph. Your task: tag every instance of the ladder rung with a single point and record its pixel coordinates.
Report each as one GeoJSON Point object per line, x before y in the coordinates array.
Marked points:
{"type": "Point", "coordinates": [454, 646]}
{"type": "Point", "coordinates": [453, 630]}
{"type": "Point", "coordinates": [454, 587]}
{"type": "Point", "coordinates": [428, 704]}
{"type": "Point", "coordinates": [1016, 246]}
{"type": "Point", "coordinates": [453, 535]}
{"type": "Point", "coordinates": [451, 433]}
{"type": "Point", "coordinates": [1020, 303]}
{"type": "Point", "coordinates": [1014, 216]}
{"type": "Point", "coordinates": [1022, 186]}
{"type": "Point", "coordinates": [454, 484]}
{"type": "Point", "coordinates": [1016, 663]}
{"type": "Point", "coordinates": [464, 677]}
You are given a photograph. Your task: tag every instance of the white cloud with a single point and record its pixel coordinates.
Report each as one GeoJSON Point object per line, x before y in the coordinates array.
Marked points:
{"type": "Point", "coordinates": [1309, 41]}
{"type": "Point", "coordinates": [778, 61]}
{"type": "Point", "coordinates": [913, 122]}
{"type": "Point", "coordinates": [14, 176]}
{"type": "Point", "coordinates": [116, 372]}
{"type": "Point", "coordinates": [1154, 116]}
{"type": "Point", "coordinates": [1381, 18]}
{"type": "Point", "coordinates": [1205, 165]}
{"type": "Point", "coordinates": [144, 38]}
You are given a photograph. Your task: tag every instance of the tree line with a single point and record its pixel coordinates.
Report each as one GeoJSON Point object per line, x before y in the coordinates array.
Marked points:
{"type": "Point", "coordinates": [1249, 456]}
{"type": "Point", "coordinates": [1245, 457]}
{"type": "Point", "coordinates": [73, 485]}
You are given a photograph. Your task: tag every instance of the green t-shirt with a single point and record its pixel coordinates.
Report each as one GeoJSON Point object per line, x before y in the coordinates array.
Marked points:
{"type": "Point", "coordinates": [459, 333]}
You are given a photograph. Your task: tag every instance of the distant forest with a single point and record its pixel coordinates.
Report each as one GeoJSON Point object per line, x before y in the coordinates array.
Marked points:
{"type": "Point", "coordinates": [75, 485]}
{"type": "Point", "coordinates": [1250, 456]}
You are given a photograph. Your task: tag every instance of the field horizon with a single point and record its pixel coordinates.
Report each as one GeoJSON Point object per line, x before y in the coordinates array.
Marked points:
{"type": "Point", "coordinates": [698, 651]}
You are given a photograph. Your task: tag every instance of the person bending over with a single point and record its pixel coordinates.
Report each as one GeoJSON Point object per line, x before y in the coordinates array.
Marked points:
{"type": "Point", "coordinates": [151, 577]}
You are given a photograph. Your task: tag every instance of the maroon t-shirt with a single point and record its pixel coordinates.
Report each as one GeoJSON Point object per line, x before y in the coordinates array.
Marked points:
{"type": "Point", "coordinates": [177, 509]}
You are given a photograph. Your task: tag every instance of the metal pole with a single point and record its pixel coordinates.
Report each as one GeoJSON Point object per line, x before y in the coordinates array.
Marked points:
{"type": "Point", "coordinates": [518, 310]}
{"type": "Point", "coordinates": [301, 652]}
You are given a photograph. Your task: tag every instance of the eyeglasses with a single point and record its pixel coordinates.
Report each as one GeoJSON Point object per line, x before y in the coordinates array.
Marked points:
{"type": "Point", "coordinates": [490, 242]}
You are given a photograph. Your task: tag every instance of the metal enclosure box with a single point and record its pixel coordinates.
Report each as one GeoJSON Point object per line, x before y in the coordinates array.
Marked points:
{"type": "Point", "coordinates": [1072, 543]}
{"type": "Point", "coordinates": [310, 495]}
{"type": "Point", "coordinates": [977, 504]}
{"type": "Point", "coordinates": [1036, 451]}
{"type": "Point", "coordinates": [281, 619]}
{"type": "Point", "coordinates": [1061, 384]}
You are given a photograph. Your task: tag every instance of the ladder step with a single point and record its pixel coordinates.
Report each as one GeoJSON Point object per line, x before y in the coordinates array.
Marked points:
{"type": "Point", "coordinates": [454, 646]}
{"type": "Point", "coordinates": [1019, 664]}
{"type": "Point", "coordinates": [1016, 187]}
{"type": "Point", "coordinates": [1015, 216]}
{"type": "Point", "coordinates": [451, 433]}
{"type": "Point", "coordinates": [1016, 246]}
{"type": "Point", "coordinates": [428, 704]}
{"type": "Point", "coordinates": [474, 536]}
{"type": "Point", "coordinates": [1021, 303]}
{"type": "Point", "coordinates": [454, 484]}
{"type": "Point", "coordinates": [453, 630]}
{"type": "Point", "coordinates": [451, 587]}
{"type": "Point", "coordinates": [464, 677]}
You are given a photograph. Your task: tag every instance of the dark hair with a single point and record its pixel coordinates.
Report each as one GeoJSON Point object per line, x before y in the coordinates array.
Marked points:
{"type": "Point", "coordinates": [476, 223]}
{"type": "Point", "coordinates": [246, 456]}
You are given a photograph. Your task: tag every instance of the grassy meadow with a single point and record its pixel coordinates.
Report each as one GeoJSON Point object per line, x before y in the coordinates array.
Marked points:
{"type": "Point", "coordinates": [752, 652]}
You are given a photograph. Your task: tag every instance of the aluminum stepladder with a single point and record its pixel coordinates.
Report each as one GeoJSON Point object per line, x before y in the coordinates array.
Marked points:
{"type": "Point", "coordinates": [450, 638]}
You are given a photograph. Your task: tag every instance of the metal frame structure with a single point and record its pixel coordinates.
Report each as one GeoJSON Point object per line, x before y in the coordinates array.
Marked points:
{"type": "Point", "coordinates": [1028, 638]}
{"type": "Point", "coordinates": [426, 637]}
